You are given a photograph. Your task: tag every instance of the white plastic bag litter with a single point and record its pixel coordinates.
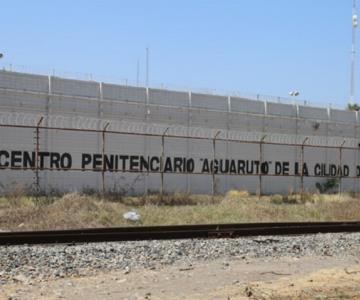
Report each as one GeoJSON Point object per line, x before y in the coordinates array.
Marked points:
{"type": "Point", "coordinates": [132, 216]}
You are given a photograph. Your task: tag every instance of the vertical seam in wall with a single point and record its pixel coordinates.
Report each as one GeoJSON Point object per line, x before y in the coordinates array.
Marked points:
{"type": "Point", "coordinates": [328, 121]}
{"type": "Point", "coordinates": [265, 107]}
{"type": "Point", "coordinates": [189, 124]}
{"type": "Point", "coordinates": [46, 133]}
{"type": "Point", "coordinates": [100, 119]}
{"type": "Point", "coordinates": [228, 114]}
{"type": "Point", "coordinates": [297, 114]}
{"type": "Point", "coordinates": [356, 156]}
{"type": "Point", "coordinates": [147, 112]}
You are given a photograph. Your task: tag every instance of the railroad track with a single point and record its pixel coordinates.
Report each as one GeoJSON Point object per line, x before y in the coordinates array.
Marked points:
{"type": "Point", "coordinates": [173, 232]}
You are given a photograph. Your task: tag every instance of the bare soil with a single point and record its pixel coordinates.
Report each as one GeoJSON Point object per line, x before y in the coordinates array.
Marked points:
{"type": "Point", "coordinates": [275, 278]}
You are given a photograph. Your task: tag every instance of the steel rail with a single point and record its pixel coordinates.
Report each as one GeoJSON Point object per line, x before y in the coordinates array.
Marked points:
{"type": "Point", "coordinates": [173, 232]}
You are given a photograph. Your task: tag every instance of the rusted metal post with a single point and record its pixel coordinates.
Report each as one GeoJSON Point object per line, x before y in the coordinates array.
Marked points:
{"type": "Point", "coordinates": [302, 167]}
{"type": "Point", "coordinates": [162, 161]}
{"type": "Point", "coordinates": [213, 164]}
{"type": "Point", "coordinates": [103, 157]}
{"type": "Point", "coordinates": [261, 161]}
{"type": "Point", "coordinates": [37, 150]}
{"type": "Point", "coordinates": [340, 163]}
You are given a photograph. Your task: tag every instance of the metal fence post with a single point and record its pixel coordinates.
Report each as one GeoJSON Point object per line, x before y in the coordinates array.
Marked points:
{"type": "Point", "coordinates": [37, 150]}
{"type": "Point", "coordinates": [162, 162]}
{"type": "Point", "coordinates": [46, 144]}
{"type": "Point", "coordinates": [261, 161]}
{"type": "Point", "coordinates": [103, 157]}
{"type": "Point", "coordinates": [302, 167]}
{"type": "Point", "coordinates": [42, 123]}
{"type": "Point", "coordinates": [212, 169]}
{"type": "Point", "coordinates": [340, 162]}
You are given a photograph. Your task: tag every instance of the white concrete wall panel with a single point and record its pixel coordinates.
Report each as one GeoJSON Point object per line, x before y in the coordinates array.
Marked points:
{"type": "Point", "coordinates": [350, 158]}
{"type": "Point", "coordinates": [126, 183]}
{"type": "Point", "coordinates": [206, 101]}
{"type": "Point", "coordinates": [170, 115]}
{"type": "Point", "coordinates": [342, 116]}
{"type": "Point", "coordinates": [74, 87]}
{"type": "Point", "coordinates": [168, 98]}
{"type": "Point", "coordinates": [281, 109]}
{"type": "Point", "coordinates": [61, 105]}
{"type": "Point", "coordinates": [280, 125]}
{"type": "Point", "coordinates": [200, 184]}
{"type": "Point", "coordinates": [221, 182]}
{"type": "Point", "coordinates": [79, 104]}
{"type": "Point", "coordinates": [341, 129]}
{"type": "Point", "coordinates": [284, 185]}
{"type": "Point", "coordinates": [348, 185]}
{"type": "Point", "coordinates": [198, 149]}
{"type": "Point", "coordinates": [176, 183]}
{"type": "Point", "coordinates": [246, 152]}
{"type": "Point", "coordinates": [74, 181]}
{"type": "Point", "coordinates": [172, 147]}
{"type": "Point", "coordinates": [243, 151]}
{"type": "Point", "coordinates": [17, 180]}
{"type": "Point", "coordinates": [19, 102]}
{"type": "Point", "coordinates": [123, 111]}
{"type": "Point", "coordinates": [124, 93]}
{"type": "Point", "coordinates": [244, 183]}
{"type": "Point", "coordinates": [243, 122]}
{"type": "Point", "coordinates": [246, 105]}
{"type": "Point", "coordinates": [209, 119]}
{"type": "Point", "coordinates": [21, 81]}
{"type": "Point", "coordinates": [70, 141]}
{"type": "Point", "coordinates": [309, 112]}
{"type": "Point", "coordinates": [312, 127]}
{"type": "Point", "coordinates": [281, 162]}
{"type": "Point", "coordinates": [17, 138]}
{"type": "Point", "coordinates": [125, 144]}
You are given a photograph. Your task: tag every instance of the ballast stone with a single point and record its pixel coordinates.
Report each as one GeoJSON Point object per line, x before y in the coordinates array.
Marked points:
{"type": "Point", "coordinates": [54, 261]}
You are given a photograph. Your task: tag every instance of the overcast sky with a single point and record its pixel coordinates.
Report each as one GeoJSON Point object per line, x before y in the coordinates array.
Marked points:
{"type": "Point", "coordinates": [267, 47]}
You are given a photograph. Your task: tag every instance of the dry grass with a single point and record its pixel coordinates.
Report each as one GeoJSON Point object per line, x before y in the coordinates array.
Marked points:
{"type": "Point", "coordinates": [18, 212]}
{"type": "Point", "coordinates": [176, 199]}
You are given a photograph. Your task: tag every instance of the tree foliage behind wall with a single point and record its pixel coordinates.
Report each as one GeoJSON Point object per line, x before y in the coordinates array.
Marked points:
{"type": "Point", "coordinates": [353, 107]}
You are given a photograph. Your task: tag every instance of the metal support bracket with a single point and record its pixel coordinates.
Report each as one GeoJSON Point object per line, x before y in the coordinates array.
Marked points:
{"type": "Point", "coordinates": [162, 161]}
{"type": "Point", "coordinates": [103, 132]}
{"type": "Point", "coordinates": [212, 169]}
{"type": "Point", "coordinates": [260, 162]}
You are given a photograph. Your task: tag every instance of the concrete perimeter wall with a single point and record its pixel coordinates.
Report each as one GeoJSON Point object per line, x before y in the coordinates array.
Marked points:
{"type": "Point", "coordinates": [67, 103]}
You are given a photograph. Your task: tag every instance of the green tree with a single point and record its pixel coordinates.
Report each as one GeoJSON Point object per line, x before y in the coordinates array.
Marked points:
{"type": "Point", "coordinates": [353, 107]}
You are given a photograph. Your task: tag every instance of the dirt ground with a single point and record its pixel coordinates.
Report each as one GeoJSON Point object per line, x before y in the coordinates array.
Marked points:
{"type": "Point", "coordinates": [276, 278]}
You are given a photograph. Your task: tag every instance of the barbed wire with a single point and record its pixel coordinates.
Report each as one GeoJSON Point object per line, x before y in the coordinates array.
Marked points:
{"type": "Point", "coordinates": [146, 128]}
{"type": "Point", "coordinates": [163, 86]}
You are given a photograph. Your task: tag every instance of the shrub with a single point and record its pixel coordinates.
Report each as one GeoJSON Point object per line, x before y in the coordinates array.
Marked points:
{"type": "Point", "coordinates": [328, 185]}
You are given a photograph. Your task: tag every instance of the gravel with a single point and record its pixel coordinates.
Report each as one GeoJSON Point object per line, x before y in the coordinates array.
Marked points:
{"type": "Point", "coordinates": [41, 262]}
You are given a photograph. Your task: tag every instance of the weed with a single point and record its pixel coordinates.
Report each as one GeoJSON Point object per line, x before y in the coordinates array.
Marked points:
{"type": "Point", "coordinates": [76, 210]}
{"type": "Point", "coordinates": [327, 186]}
